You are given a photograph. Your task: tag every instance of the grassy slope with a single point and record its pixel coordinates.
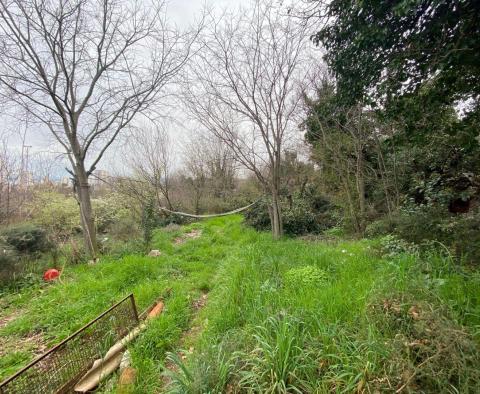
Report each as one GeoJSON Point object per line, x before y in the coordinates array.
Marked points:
{"type": "Point", "coordinates": [364, 324]}
{"type": "Point", "coordinates": [51, 312]}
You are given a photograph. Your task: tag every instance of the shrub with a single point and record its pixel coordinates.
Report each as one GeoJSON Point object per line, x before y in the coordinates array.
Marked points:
{"type": "Point", "coordinates": [27, 238]}
{"type": "Point", "coordinates": [257, 216]}
{"type": "Point", "coordinates": [305, 276]}
{"type": "Point", "coordinates": [393, 246]}
{"type": "Point", "coordinates": [304, 215]}
{"type": "Point", "coordinates": [423, 225]}
{"type": "Point", "coordinates": [149, 221]}
{"type": "Point", "coordinates": [383, 226]}
{"type": "Point", "coordinates": [300, 219]}
{"type": "Point", "coordinates": [124, 229]}
{"type": "Point", "coordinates": [109, 210]}
{"type": "Point", "coordinates": [58, 214]}
{"type": "Point", "coordinates": [429, 350]}
{"type": "Point", "coordinates": [463, 232]}
{"type": "Point", "coordinates": [173, 219]}
{"type": "Point", "coordinates": [8, 262]}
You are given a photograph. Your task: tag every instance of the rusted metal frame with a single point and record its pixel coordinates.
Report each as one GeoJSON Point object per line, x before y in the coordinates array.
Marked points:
{"type": "Point", "coordinates": [69, 338]}
{"type": "Point", "coordinates": [134, 306]}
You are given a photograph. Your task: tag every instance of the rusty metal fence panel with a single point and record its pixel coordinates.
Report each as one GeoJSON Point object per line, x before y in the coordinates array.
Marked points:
{"type": "Point", "coordinates": [57, 370]}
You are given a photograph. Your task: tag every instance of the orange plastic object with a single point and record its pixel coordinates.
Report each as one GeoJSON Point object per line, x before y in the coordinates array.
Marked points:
{"type": "Point", "coordinates": [156, 310]}
{"type": "Point", "coordinates": [51, 274]}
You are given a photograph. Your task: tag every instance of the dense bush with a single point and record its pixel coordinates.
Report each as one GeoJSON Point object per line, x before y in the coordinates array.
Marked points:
{"type": "Point", "coordinates": [392, 246]}
{"type": "Point", "coordinates": [110, 210]}
{"type": "Point", "coordinates": [60, 215]}
{"type": "Point", "coordinates": [124, 229]}
{"type": "Point", "coordinates": [423, 225]}
{"type": "Point", "coordinates": [300, 215]}
{"type": "Point", "coordinates": [27, 238]}
{"type": "Point", "coordinates": [257, 216]}
{"type": "Point", "coordinates": [169, 219]}
{"type": "Point", "coordinates": [57, 213]}
{"type": "Point", "coordinates": [8, 261]}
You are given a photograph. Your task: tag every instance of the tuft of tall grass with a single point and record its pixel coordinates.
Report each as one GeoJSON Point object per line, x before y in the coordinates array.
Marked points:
{"type": "Point", "coordinates": [280, 361]}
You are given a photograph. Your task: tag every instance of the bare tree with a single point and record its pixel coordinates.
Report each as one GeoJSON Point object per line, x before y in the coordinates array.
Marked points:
{"type": "Point", "coordinates": [195, 172]}
{"type": "Point", "coordinates": [10, 172]}
{"type": "Point", "coordinates": [151, 159]}
{"type": "Point", "coordinates": [221, 165]}
{"type": "Point", "coordinates": [209, 170]}
{"type": "Point", "coordinates": [45, 166]}
{"type": "Point", "coordinates": [84, 70]}
{"type": "Point", "coordinates": [242, 88]}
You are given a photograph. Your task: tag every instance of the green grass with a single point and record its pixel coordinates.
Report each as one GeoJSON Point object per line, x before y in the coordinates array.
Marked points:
{"type": "Point", "coordinates": [282, 316]}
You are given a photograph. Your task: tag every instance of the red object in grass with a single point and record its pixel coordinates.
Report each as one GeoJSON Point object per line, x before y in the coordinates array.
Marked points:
{"type": "Point", "coordinates": [51, 274]}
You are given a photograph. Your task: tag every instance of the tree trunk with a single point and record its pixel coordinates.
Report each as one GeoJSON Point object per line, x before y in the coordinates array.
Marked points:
{"type": "Point", "coordinates": [361, 188]}
{"type": "Point", "coordinates": [167, 199]}
{"type": "Point", "coordinates": [276, 216]}
{"type": "Point", "coordinates": [82, 190]}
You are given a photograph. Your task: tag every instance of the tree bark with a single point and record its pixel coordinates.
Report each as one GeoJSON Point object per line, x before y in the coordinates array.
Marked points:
{"type": "Point", "coordinates": [361, 188]}
{"type": "Point", "coordinates": [82, 191]}
{"type": "Point", "coordinates": [277, 223]}
{"type": "Point", "coordinates": [276, 216]}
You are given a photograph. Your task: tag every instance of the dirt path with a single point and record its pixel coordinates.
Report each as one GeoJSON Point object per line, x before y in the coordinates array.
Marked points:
{"type": "Point", "coordinates": [189, 336]}
{"type": "Point", "coordinates": [193, 234]}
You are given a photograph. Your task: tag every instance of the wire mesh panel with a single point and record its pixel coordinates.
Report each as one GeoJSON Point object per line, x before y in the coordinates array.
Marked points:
{"type": "Point", "coordinates": [57, 370]}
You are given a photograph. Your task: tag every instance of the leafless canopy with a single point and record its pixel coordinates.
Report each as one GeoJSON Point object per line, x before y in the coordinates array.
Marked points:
{"type": "Point", "coordinates": [243, 85]}
{"type": "Point", "coordinates": [150, 157]}
{"type": "Point", "coordinates": [85, 68]}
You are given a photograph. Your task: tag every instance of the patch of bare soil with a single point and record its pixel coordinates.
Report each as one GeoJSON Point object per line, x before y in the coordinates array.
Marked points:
{"type": "Point", "coordinates": [200, 302]}
{"type": "Point", "coordinates": [34, 343]}
{"type": "Point", "coordinates": [196, 328]}
{"type": "Point", "coordinates": [185, 237]}
{"type": "Point", "coordinates": [4, 320]}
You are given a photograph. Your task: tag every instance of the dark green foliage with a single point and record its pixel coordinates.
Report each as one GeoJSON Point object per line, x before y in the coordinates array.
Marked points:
{"type": "Point", "coordinates": [437, 151]}
{"type": "Point", "coordinates": [299, 219]}
{"type": "Point", "coordinates": [257, 216]}
{"type": "Point", "coordinates": [396, 46]}
{"type": "Point", "coordinates": [423, 225]}
{"type": "Point", "coordinates": [310, 213]}
{"type": "Point", "coordinates": [8, 262]}
{"type": "Point", "coordinates": [27, 238]}
{"type": "Point", "coordinates": [149, 221]}
{"type": "Point", "coordinates": [170, 218]}
{"type": "Point", "coordinates": [422, 167]}
{"type": "Point", "coordinates": [304, 207]}
{"type": "Point", "coordinates": [302, 218]}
